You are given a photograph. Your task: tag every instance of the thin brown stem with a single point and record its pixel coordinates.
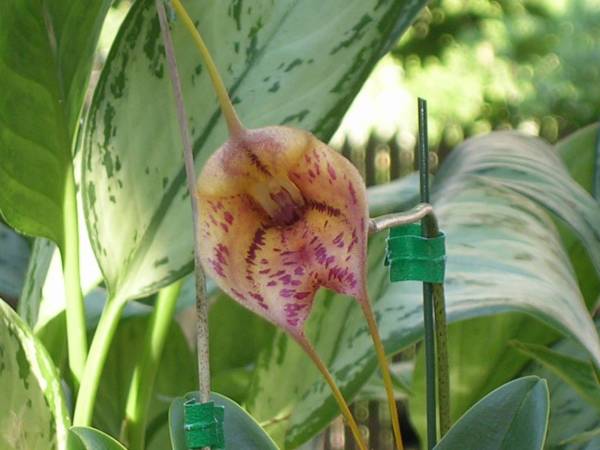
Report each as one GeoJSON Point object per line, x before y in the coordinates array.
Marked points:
{"type": "Point", "coordinates": [201, 301]}
{"type": "Point", "coordinates": [311, 352]}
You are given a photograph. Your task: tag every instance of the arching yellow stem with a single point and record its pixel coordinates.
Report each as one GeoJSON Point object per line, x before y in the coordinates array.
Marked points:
{"type": "Point", "coordinates": [385, 371]}
{"type": "Point", "coordinates": [233, 122]}
{"type": "Point", "coordinates": [311, 352]}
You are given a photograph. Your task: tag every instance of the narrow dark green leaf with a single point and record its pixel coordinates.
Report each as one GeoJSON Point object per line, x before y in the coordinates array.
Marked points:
{"type": "Point", "coordinates": [578, 152]}
{"type": "Point", "coordinates": [13, 263]}
{"type": "Point", "coordinates": [578, 373]}
{"type": "Point", "coordinates": [583, 438]}
{"type": "Point", "coordinates": [46, 54]}
{"type": "Point", "coordinates": [241, 430]}
{"type": "Point", "coordinates": [514, 416]}
{"type": "Point", "coordinates": [285, 62]}
{"type": "Point", "coordinates": [34, 415]}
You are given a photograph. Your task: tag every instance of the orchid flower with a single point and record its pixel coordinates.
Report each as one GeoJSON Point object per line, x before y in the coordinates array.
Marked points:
{"type": "Point", "coordinates": [281, 214]}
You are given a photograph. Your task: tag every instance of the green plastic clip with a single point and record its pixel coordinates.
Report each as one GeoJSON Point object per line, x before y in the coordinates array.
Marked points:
{"type": "Point", "coordinates": [204, 425]}
{"type": "Point", "coordinates": [414, 257]}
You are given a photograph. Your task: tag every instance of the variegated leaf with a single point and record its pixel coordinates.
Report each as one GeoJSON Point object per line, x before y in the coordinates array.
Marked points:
{"type": "Point", "coordinates": [33, 414]}
{"type": "Point", "coordinates": [284, 62]}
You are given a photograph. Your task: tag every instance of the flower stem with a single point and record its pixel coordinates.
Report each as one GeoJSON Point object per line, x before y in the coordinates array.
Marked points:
{"type": "Point", "coordinates": [201, 300]}
{"type": "Point", "coordinates": [385, 371]}
{"type": "Point", "coordinates": [84, 407]}
{"type": "Point", "coordinates": [233, 122]}
{"type": "Point", "coordinates": [311, 352]}
{"type": "Point", "coordinates": [76, 328]}
{"type": "Point", "coordinates": [144, 375]}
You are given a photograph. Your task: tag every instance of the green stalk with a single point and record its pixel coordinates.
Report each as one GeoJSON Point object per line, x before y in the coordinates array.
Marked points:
{"type": "Point", "coordinates": [144, 375]}
{"type": "Point", "coordinates": [429, 365]}
{"type": "Point", "coordinates": [437, 300]}
{"type": "Point", "coordinates": [76, 328]}
{"type": "Point", "coordinates": [84, 407]}
{"type": "Point", "coordinates": [441, 344]}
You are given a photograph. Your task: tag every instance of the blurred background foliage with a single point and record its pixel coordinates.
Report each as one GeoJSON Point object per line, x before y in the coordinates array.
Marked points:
{"type": "Point", "coordinates": [485, 65]}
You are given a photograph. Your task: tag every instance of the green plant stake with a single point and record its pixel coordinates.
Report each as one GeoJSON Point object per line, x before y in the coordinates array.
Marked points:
{"type": "Point", "coordinates": [414, 257]}
{"type": "Point", "coordinates": [417, 252]}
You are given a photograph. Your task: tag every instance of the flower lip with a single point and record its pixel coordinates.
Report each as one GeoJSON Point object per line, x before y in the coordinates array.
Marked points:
{"type": "Point", "coordinates": [289, 211]}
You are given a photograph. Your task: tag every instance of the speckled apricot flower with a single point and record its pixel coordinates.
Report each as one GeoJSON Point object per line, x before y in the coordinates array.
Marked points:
{"type": "Point", "coordinates": [281, 215]}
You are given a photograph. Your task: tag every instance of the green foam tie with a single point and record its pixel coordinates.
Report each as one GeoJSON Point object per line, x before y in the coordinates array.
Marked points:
{"type": "Point", "coordinates": [411, 256]}
{"type": "Point", "coordinates": [204, 425]}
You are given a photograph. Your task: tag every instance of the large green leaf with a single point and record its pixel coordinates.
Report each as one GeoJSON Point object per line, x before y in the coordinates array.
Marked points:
{"type": "Point", "coordinates": [88, 438]}
{"type": "Point", "coordinates": [241, 430]}
{"type": "Point", "coordinates": [504, 255]}
{"type": "Point", "coordinates": [514, 416]}
{"type": "Point", "coordinates": [46, 54]}
{"type": "Point", "coordinates": [298, 63]}
{"type": "Point", "coordinates": [471, 375]}
{"type": "Point", "coordinates": [33, 415]}
{"type": "Point", "coordinates": [580, 151]}
{"type": "Point", "coordinates": [531, 168]}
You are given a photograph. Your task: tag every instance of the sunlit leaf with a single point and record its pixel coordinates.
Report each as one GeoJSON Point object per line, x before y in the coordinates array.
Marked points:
{"type": "Point", "coordinates": [46, 54]}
